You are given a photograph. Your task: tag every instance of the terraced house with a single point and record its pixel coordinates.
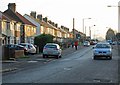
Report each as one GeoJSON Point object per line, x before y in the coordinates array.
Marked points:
{"type": "Point", "coordinates": [23, 30]}
{"type": "Point", "coordinates": [48, 27]}
{"type": "Point", "coordinates": [7, 34]}
{"type": "Point", "coordinates": [20, 29]}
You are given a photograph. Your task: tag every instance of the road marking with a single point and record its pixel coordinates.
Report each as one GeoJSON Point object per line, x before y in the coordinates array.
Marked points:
{"type": "Point", "coordinates": [32, 61]}
{"type": "Point", "coordinates": [40, 59]}
{"type": "Point", "coordinates": [67, 68]}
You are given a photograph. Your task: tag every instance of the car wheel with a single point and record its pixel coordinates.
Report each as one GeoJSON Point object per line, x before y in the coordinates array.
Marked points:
{"type": "Point", "coordinates": [110, 57]}
{"type": "Point", "coordinates": [32, 53]}
{"type": "Point", "coordinates": [94, 57]}
{"type": "Point", "coordinates": [57, 57]}
{"type": "Point", "coordinates": [60, 56]}
{"type": "Point", "coordinates": [43, 56]}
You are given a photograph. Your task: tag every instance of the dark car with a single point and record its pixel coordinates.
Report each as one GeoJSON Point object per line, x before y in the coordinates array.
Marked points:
{"type": "Point", "coordinates": [15, 47]}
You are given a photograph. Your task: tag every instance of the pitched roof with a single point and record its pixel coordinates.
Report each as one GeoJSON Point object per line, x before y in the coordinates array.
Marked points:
{"type": "Point", "coordinates": [17, 17]}
{"type": "Point", "coordinates": [24, 20]}
{"type": "Point", "coordinates": [2, 16]}
{"type": "Point", "coordinates": [12, 15]}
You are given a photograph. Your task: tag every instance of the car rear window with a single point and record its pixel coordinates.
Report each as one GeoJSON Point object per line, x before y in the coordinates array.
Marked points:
{"type": "Point", "coordinates": [50, 46]}
{"type": "Point", "coordinates": [23, 44]}
{"type": "Point", "coordinates": [102, 46]}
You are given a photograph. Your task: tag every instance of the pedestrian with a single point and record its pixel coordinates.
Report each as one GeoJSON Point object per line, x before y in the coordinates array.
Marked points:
{"type": "Point", "coordinates": [72, 44]}
{"type": "Point", "coordinates": [76, 44]}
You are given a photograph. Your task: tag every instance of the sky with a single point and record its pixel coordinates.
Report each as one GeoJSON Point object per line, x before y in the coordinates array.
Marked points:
{"type": "Point", "coordinates": [63, 12]}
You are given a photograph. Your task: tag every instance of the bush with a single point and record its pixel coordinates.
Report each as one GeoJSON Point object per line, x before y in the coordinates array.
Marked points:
{"type": "Point", "coordinates": [42, 39]}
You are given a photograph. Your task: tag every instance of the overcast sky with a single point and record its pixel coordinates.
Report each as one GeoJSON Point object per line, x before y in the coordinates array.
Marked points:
{"type": "Point", "coordinates": [63, 12]}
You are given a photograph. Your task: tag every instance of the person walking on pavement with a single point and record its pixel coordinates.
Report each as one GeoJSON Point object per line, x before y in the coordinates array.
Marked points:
{"type": "Point", "coordinates": [72, 44]}
{"type": "Point", "coordinates": [76, 44]}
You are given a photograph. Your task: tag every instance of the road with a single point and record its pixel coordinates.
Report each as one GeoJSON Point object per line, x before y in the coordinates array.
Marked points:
{"type": "Point", "coordinates": [77, 67]}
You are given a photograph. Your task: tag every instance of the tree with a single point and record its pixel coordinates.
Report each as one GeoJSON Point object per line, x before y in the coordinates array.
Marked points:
{"type": "Point", "coordinates": [42, 39]}
{"type": "Point", "coordinates": [118, 36]}
{"type": "Point", "coordinates": [110, 35]}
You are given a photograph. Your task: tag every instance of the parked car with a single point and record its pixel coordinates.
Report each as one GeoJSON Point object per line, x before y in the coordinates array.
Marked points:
{"type": "Point", "coordinates": [93, 42]}
{"type": "Point", "coordinates": [16, 47]}
{"type": "Point", "coordinates": [52, 49]}
{"type": "Point", "coordinates": [86, 43]}
{"type": "Point", "coordinates": [114, 43]}
{"type": "Point", "coordinates": [110, 42]}
{"type": "Point", "coordinates": [102, 50]}
{"type": "Point", "coordinates": [30, 48]}
{"type": "Point", "coordinates": [118, 43]}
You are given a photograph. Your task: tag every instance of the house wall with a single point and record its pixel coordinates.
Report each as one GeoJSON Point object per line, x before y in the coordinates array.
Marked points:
{"type": "Point", "coordinates": [17, 33]}
{"type": "Point", "coordinates": [12, 33]}
{"type": "Point", "coordinates": [4, 32]}
{"type": "Point", "coordinates": [38, 29]}
{"type": "Point", "coordinates": [42, 30]}
{"type": "Point", "coordinates": [30, 33]}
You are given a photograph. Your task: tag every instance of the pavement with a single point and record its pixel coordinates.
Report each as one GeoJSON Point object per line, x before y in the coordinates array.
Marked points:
{"type": "Point", "coordinates": [11, 65]}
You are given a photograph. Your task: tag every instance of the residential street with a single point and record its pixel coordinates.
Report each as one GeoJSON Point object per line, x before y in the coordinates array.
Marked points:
{"type": "Point", "coordinates": [75, 67]}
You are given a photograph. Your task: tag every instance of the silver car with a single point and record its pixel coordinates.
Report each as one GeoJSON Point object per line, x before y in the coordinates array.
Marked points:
{"type": "Point", "coordinates": [86, 43]}
{"type": "Point", "coordinates": [30, 48]}
{"type": "Point", "coordinates": [102, 50]}
{"type": "Point", "coordinates": [52, 49]}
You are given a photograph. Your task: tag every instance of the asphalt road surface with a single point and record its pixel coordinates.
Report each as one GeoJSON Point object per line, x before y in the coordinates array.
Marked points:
{"type": "Point", "coordinates": [77, 67]}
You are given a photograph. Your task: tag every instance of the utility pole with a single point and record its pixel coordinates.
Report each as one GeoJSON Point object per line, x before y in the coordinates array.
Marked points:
{"type": "Point", "coordinates": [73, 28]}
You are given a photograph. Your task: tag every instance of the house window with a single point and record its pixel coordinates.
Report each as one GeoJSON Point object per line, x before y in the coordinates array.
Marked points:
{"type": "Point", "coordinates": [18, 27]}
{"type": "Point", "coordinates": [8, 25]}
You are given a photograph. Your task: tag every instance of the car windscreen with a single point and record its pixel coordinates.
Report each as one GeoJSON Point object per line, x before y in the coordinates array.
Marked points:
{"type": "Point", "coordinates": [102, 46]}
{"type": "Point", "coordinates": [50, 46]}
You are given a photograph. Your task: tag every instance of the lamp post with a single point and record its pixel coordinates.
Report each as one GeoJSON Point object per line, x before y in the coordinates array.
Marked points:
{"type": "Point", "coordinates": [90, 30]}
{"type": "Point", "coordinates": [85, 28]}
{"type": "Point", "coordinates": [84, 22]}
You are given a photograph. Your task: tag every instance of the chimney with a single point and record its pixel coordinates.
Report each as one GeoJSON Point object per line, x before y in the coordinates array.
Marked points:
{"type": "Point", "coordinates": [50, 21]}
{"type": "Point", "coordinates": [33, 14]}
{"type": "Point", "coordinates": [45, 19]}
{"type": "Point", "coordinates": [53, 24]}
{"type": "Point", "coordinates": [12, 6]}
{"type": "Point", "coordinates": [39, 16]}
{"type": "Point", "coordinates": [56, 25]}
{"type": "Point", "coordinates": [62, 27]}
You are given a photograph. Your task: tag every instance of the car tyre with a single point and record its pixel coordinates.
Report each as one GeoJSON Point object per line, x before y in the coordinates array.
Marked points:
{"type": "Point", "coordinates": [110, 57]}
{"type": "Point", "coordinates": [60, 56]}
{"type": "Point", "coordinates": [57, 56]}
{"type": "Point", "coordinates": [94, 57]}
{"type": "Point", "coordinates": [43, 56]}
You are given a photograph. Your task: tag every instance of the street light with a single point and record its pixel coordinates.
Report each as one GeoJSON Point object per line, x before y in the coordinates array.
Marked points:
{"type": "Point", "coordinates": [83, 22]}
{"type": "Point", "coordinates": [90, 30]}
